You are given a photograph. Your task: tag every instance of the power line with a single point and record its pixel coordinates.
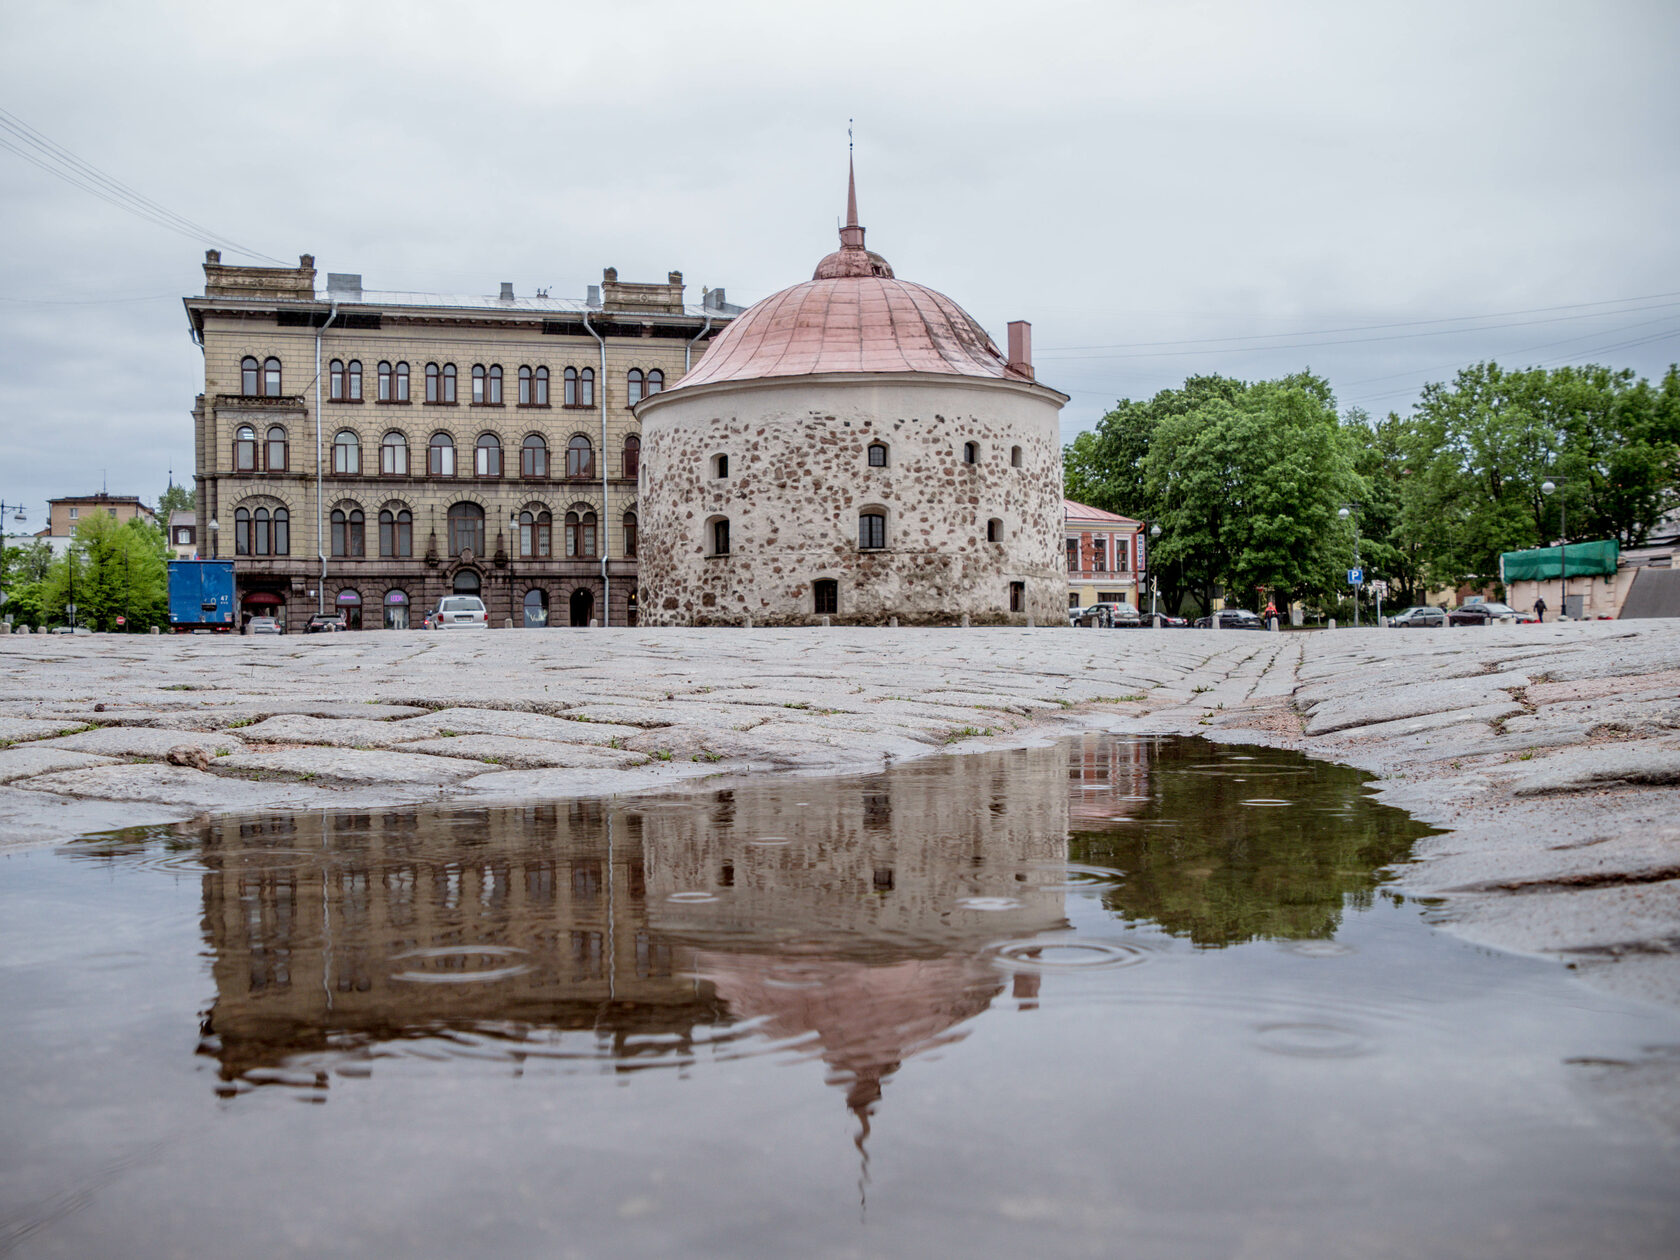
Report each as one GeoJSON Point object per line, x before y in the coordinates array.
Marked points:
{"type": "Point", "coordinates": [56, 160]}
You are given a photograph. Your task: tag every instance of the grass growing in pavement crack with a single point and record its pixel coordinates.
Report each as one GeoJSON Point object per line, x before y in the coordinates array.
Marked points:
{"type": "Point", "coordinates": [244, 721]}
{"type": "Point", "coordinates": [706, 756]}
{"type": "Point", "coordinates": [966, 732]}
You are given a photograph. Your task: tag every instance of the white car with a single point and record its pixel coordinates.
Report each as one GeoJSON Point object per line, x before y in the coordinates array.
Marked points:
{"type": "Point", "coordinates": [462, 612]}
{"type": "Point", "coordinates": [264, 625]}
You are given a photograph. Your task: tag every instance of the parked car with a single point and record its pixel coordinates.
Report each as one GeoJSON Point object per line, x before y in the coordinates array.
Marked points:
{"type": "Point", "coordinates": [429, 621]}
{"type": "Point", "coordinates": [264, 625]}
{"type": "Point", "coordinates": [325, 623]}
{"type": "Point", "coordinates": [71, 630]}
{"type": "Point", "coordinates": [1485, 611]}
{"type": "Point", "coordinates": [462, 612]}
{"type": "Point", "coordinates": [1419, 615]}
{"type": "Point", "coordinates": [1169, 622]}
{"type": "Point", "coordinates": [1233, 619]}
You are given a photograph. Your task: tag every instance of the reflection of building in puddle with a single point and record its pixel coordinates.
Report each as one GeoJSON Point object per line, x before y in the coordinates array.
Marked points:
{"type": "Point", "coordinates": [1108, 779]}
{"type": "Point", "coordinates": [854, 911]}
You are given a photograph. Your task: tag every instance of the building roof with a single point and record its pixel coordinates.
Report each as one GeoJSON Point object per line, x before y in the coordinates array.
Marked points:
{"type": "Point", "coordinates": [1085, 514]}
{"type": "Point", "coordinates": [182, 516]}
{"type": "Point", "coordinates": [853, 315]}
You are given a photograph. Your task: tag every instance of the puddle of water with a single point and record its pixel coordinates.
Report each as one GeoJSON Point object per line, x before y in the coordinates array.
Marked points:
{"type": "Point", "coordinates": [1078, 1000]}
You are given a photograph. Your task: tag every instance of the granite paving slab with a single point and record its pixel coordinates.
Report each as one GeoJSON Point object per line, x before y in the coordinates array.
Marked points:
{"type": "Point", "coordinates": [512, 753]}
{"type": "Point", "coordinates": [144, 741]}
{"type": "Point", "coordinates": [350, 765]}
{"type": "Point", "coordinates": [29, 760]}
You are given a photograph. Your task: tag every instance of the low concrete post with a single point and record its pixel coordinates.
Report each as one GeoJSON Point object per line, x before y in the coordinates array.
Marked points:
{"type": "Point", "coordinates": [965, 621]}
{"type": "Point", "coordinates": [1030, 622]}
{"type": "Point", "coordinates": [1157, 620]}
{"type": "Point", "coordinates": [507, 623]}
{"type": "Point", "coordinates": [154, 630]}
{"type": "Point", "coordinates": [1272, 624]}
{"type": "Point", "coordinates": [5, 627]}
{"type": "Point", "coordinates": [747, 624]}
{"type": "Point", "coordinates": [826, 622]}
{"type": "Point", "coordinates": [594, 622]}
{"type": "Point", "coordinates": [892, 623]}
{"type": "Point", "coordinates": [1383, 621]}
{"type": "Point", "coordinates": [1332, 623]}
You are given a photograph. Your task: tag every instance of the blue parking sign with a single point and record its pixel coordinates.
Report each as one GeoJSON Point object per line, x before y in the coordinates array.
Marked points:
{"type": "Point", "coordinates": [1356, 577]}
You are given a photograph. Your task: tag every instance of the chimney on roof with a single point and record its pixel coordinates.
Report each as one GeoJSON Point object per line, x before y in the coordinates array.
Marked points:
{"type": "Point", "coordinates": [507, 291]}
{"type": "Point", "coordinates": [594, 298]}
{"type": "Point", "coordinates": [345, 285]}
{"type": "Point", "coordinates": [1020, 348]}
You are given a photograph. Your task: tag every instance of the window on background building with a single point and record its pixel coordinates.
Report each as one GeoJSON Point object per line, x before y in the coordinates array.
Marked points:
{"type": "Point", "coordinates": [971, 452]}
{"type": "Point", "coordinates": [877, 455]}
{"type": "Point", "coordinates": [478, 379]}
{"type": "Point", "coordinates": [569, 389]}
{"type": "Point", "coordinates": [440, 456]}
{"type": "Point", "coordinates": [353, 381]}
{"type": "Point", "coordinates": [580, 457]}
{"type": "Point", "coordinates": [1099, 554]}
{"type": "Point", "coordinates": [655, 383]}
{"type": "Point", "coordinates": [385, 381]}
{"type": "Point", "coordinates": [994, 530]}
{"type": "Point", "coordinates": [525, 394]}
{"type": "Point", "coordinates": [250, 383]}
{"type": "Point", "coordinates": [533, 457]}
{"type": "Point", "coordinates": [348, 533]}
{"type": "Point", "coordinates": [630, 535]}
{"type": "Point", "coordinates": [402, 382]}
{"type": "Point", "coordinates": [282, 532]}
{"type": "Point", "coordinates": [335, 380]}
{"type": "Point", "coordinates": [632, 457]}
{"type": "Point", "coordinates": [396, 610]}
{"type": "Point", "coordinates": [276, 453]}
{"type": "Point", "coordinates": [1014, 456]}
{"type": "Point", "coordinates": [242, 532]}
{"type": "Point", "coordinates": [872, 530]}
{"type": "Point", "coordinates": [825, 596]}
{"type": "Point", "coordinates": [347, 453]}
{"type": "Point", "coordinates": [447, 378]}
{"type": "Point", "coordinates": [535, 607]}
{"type": "Point", "coordinates": [396, 533]}
{"type": "Point", "coordinates": [466, 529]}
{"type": "Point", "coordinates": [1073, 600]}
{"type": "Point", "coordinates": [271, 378]}
{"type": "Point", "coordinates": [539, 387]}
{"type": "Point", "coordinates": [488, 456]}
{"type": "Point", "coordinates": [633, 383]}
{"type": "Point", "coordinates": [434, 383]}
{"type": "Point", "coordinates": [493, 386]}
{"type": "Point", "coordinates": [349, 602]}
{"type": "Point", "coordinates": [393, 455]}
{"type": "Point", "coordinates": [1073, 555]}
{"type": "Point", "coordinates": [535, 534]}
{"type": "Point", "coordinates": [1122, 555]}
{"type": "Point", "coordinates": [73, 513]}
{"type": "Point", "coordinates": [244, 453]}
{"type": "Point", "coordinates": [586, 387]}
{"type": "Point", "coordinates": [262, 536]}
{"type": "Point", "coordinates": [580, 534]}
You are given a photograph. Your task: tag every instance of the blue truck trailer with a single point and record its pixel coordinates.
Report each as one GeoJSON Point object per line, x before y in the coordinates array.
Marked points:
{"type": "Point", "coordinates": [201, 596]}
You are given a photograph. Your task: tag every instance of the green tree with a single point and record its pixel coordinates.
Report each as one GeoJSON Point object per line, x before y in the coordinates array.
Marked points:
{"type": "Point", "coordinates": [23, 569]}
{"type": "Point", "coordinates": [111, 571]}
{"type": "Point", "coordinates": [174, 499]}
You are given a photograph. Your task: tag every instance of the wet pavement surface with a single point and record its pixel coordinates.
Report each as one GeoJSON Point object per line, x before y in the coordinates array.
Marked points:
{"type": "Point", "coordinates": [1117, 995]}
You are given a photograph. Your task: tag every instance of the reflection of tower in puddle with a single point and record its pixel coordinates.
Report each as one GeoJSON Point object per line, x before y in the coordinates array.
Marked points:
{"type": "Point", "coordinates": [334, 933]}
{"type": "Point", "coordinates": [1108, 780]}
{"type": "Point", "coordinates": [852, 918]}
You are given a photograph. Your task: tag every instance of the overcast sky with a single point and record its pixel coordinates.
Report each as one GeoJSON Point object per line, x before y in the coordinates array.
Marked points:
{"type": "Point", "coordinates": [1161, 188]}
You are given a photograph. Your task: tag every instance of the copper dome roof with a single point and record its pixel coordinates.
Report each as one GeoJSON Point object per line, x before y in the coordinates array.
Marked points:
{"type": "Point", "coordinates": [853, 315]}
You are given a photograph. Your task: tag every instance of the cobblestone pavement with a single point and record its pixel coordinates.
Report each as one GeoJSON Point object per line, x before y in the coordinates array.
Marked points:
{"type": "Point", "coordinates": [1551, 753]}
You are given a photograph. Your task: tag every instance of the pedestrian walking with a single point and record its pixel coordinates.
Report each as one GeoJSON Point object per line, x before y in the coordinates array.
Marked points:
{"type": "Point", "coordinates": [1540, 609]}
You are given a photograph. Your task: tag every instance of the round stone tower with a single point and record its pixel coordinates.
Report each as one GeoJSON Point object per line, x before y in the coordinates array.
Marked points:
{"type": "Point", "coordinates": [853, 447]}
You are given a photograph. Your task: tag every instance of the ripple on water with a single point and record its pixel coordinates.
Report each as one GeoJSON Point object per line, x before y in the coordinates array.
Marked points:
{"type": "Point", "coordinates": [1319, 949]}
{"type": "Point", "coordinates": [696, 897]}
{"type": "Point", "coordinates": [1267, 801]}
{"type": "Point", "coordinates": [1072, 877]}
{"type": "Point", "coordinates": [1325, 1040]}
{"type": "Point", "coordinates": [989, 903]}
{"type": "Point", "coordinates": [461, 964]}
{"type": "Point", "coordinates": [1071, 954]}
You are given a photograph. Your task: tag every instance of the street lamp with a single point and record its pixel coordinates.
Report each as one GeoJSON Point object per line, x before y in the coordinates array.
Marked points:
{"type": "Point", "coordinates": [1347, 511]}
{"type": "Point", "coordinates": [1548, 488]}
{"type": "Point", "coordinates": [215, 531]}
{"type": "Point", "coordinates": [1154, 616]}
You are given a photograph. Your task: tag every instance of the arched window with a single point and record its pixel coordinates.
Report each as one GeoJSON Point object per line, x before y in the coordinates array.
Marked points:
{"type": "Point", "coordinates": [720, 465]}
{"type": "Point", "coordinates": [586, 387]}
{"type": "Point", "coordinates": [245, 448]}
{"type": "Point", "coordinates": [580, 535]}
{"type": "Point", "coordinates": [632, 457]}
{"type": "Point", "coordinates": [402, 382]}
{"type": "Point", "coordinates": [335, 380]}
{"type": "Point", "coordinates": [349, 533]}
{"type": "Point", "coordinates": [1017, 597]}
{"type": "Point", "coordinates": [488, 457]}
{"type": "Point", "coordinates": [994, 530]}
{"type": "Point", "coordinates": [535, 608]}
{"type": "Point", "coordinates": [971, 452]}
{"type": "Point", "coordinates": [580, 457]}
{"type": "Point", "coordinates": [347, 453]}
{"type": "Point", "coordinates": [275, 456]}
{"type": "Point", "coordinates": [539, 386]}
{"type": "Point", "coordinates": [349, 602]}
{"type": "Point", "coordinates": [478, 384]}
{"type": "Point", "coordinates": [633, 383]}
{"type": "Point", "coordinates": [242, 532]}
{"type": "Point", "coordinates": [536, 531]}
{"type": "Point", "coordinates": [717, 536]}
{"type": "Point", "coordinates": [1014, 456]}
{"type": "Point", "coordinates": [448, 383]}
{"type": "Point", "coordinates": [877, 455]}
{"type": "Point", "coordinates": [533, 457]}
{"type": "Point", "coordinates": [396, 610]}
{"type": "Point", "coordinates": [630, 535]}
{"type": "Point", "coordinates": [569, 397]}
{"type": "Point", "coordinates": [261, 538]}
{"type": "Point", "coordinates": [524, 386]}
{"type": "Point", "coordinates": [440, 456]}
{"type": "Point", "coordinates": [466, 529]}
{"type": "Point", "coordinates": [393, 455]}
{"type": "Point", "coordinates": [396, 533]}
{"type": "Point", "coordinates": [337, 522]}
{"type": "Point", "coordinates": [494, 394]}
{"type": "Point", "coordinates": [467, 582]}
{"type": "Point", "coordinates": [434, 383]}
{"type": "Point", "coordinates": [655, 382]}
{"type": "Point", "coordinates": [872, 529]}
{"type": "Point", "coordinates": [271, 378]}
{"type": "Point", "coordinates": [385, 381]}
{"type": "Point", "coordinates": [353, 381]}
{"type": "Point", "coordinates": [249, 381]}
{"type": "Point", "coordinates": [282, 532]}
{"type": "Point", "coordinates": [825, 596]}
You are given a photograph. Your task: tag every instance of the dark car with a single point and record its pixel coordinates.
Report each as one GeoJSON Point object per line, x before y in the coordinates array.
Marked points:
{"type": "Point", "coordinates": [1486, 611]}
{"type": "Point", "coordinates": [1419, 615]}
{"type": "Point", "coordinates": [1233, 619]}
{"type": "Point", "coordinates": [325, 623]}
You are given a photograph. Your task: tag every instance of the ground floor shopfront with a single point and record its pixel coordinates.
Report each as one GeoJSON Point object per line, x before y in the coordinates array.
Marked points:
{"type": "Point", "coordinates": [383, 596]}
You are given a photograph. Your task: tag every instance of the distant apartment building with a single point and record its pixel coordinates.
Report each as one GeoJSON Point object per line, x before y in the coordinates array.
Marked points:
{"type": "Point", "coordinates": [1105, 557]}
{"type": "Point", "coordinates": [183, 533]}
{"type": "Point", "coordinates": [368, 452]}
{"type": "Point", "coordinates": [63, 515]}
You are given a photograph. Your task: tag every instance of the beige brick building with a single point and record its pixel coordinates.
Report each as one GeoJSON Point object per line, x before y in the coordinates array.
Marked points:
{"type": "Point", "coordinates": [369, 452]}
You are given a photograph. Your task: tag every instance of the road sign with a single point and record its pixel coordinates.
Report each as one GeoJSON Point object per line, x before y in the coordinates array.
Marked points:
{"type": "Point", "coordinates": [1356, 577]}
{"type": "Point", "coordinates": [122, 621]}
{"type": "Point", "coordinates": [1379, 586]}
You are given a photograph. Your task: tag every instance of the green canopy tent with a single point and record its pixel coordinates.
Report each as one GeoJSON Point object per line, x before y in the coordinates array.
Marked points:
{"type": "Point", "coordinates": [1588, 559]}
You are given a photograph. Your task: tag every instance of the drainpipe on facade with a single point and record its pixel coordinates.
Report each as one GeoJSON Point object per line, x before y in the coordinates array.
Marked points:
{"type": "Point", "coordinates": [688, 350]}
{"type": "Point", "coordinates": [320, 551]}
{"type": "Point", "coordinates": [605, 531]}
